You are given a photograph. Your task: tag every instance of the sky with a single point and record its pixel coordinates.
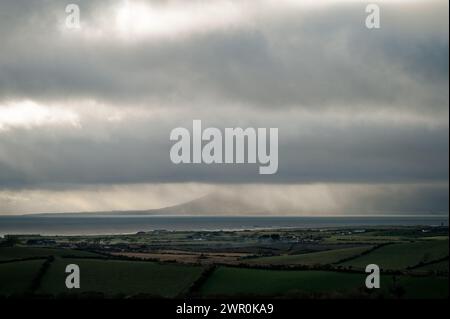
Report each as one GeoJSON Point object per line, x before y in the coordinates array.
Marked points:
{"type": "Point", "coordinates": [363, 114]}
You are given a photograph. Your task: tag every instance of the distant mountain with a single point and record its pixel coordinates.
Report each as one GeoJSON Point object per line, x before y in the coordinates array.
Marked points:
{"type": "Point", "coordinates": [212, 204]}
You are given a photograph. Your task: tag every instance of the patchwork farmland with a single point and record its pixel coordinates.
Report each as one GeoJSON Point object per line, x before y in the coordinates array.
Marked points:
{"type": "Point", "coordinates": [277, 263]}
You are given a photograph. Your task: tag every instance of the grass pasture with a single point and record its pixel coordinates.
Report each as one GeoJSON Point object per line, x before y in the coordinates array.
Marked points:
{"type": "Point", "coordinates": [316, 258]}
{"type": "Point", "coordinates": [16, 277]}
{"type": "Point", "coordinates": [227, 281]}
{"type": "Point", "coordinates": [241, 281]}
{"type": "Point", "coordinates": [441, 266]}
{"type": "Point", "coordinates": [114, 277]}
{"type": "Point", "coordinates": [17, 252]}
{"type": "Point", "coordinates": [401, 256]}
{"type": "Point", "coordinates": [423, 287]}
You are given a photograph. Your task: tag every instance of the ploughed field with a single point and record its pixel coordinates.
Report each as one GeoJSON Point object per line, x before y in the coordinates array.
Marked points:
{"type": "Point", "coordinates": [283, 263]}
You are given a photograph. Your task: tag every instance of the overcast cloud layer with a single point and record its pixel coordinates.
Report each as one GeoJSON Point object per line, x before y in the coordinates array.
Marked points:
{"type": "Point", "coordinates": [85, 115]}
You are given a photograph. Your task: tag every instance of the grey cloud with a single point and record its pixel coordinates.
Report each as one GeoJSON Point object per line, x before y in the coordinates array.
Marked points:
{"type": "Point", "coordinates": [298, 59]}
{"type": "Point", "coordinates": [353, 105]}
{"type": "Point", "coordinates": [138, 151]}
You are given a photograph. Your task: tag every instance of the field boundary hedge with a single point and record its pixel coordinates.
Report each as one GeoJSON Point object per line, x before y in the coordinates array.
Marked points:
{"type": "Point", "coordinates": [366, 252]}
{"type": "Point", "coordinates": [422, 264]}
{"type": "Point", "coordinates": [23, 259]}
{"type": "Point", "coordinates": [194, 289]}
{"type": "Point", "coordinates": [36, 282]}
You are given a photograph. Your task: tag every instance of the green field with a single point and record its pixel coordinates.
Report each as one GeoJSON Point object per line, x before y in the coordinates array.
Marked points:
{"type": "Point", "coordinates": [12, 253]}
{"type": "Point", "coordinates": [16, 277]}
{"type": "Point", "coordinates": [113, 277]}
{"type": "Point", "coordinates": [227, 281]}
{"type": "Point", "coordinates": [419, 264]}
{"type": "Point", "coordinates": [424, 287]}
{"type": "Point", "coordinates": [441, 266]}
{"type": "Point", "coordinates": [232, 281]}
{"type": "Point", "coordinates": [322, 257]}
{"type": "Point", "coordinates": [401, 256]}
